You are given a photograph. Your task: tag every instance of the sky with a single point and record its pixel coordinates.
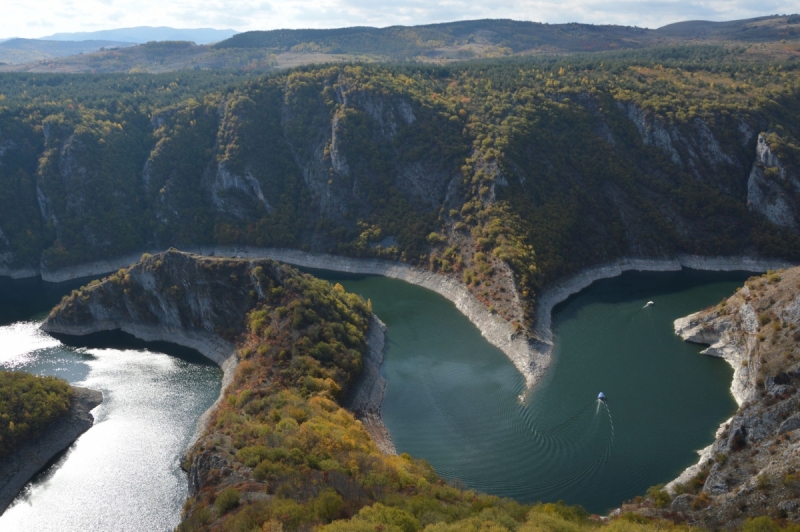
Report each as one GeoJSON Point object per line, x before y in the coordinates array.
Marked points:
{"type": "Point", "coordinates": [38, 18]}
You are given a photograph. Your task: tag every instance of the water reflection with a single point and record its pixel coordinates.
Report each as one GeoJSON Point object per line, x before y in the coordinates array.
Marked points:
{"type": "Point", "coordinates": [123, 474]}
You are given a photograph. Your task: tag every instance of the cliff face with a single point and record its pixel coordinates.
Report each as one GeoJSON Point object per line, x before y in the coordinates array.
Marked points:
{"type": "Point", "coordinates": [752, 466]}
{"type": "Point", "coordinates": [770, 188]}
{"type": "Point", "coordinates": [442, 173]}
{"type": "Point", "coordinates": [205, 301]}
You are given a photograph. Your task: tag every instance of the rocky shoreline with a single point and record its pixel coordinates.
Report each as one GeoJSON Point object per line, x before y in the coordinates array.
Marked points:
{"type": "Point", "coordinates": [495, 329]}
{"type": "Point", "coordinates": [522, 353]}
{"type": "Point", "coordinates": [750, 469]}
{"type": "Point", "coordinates": [531, 357]}
{"type": "Point", "coordinates": [561, 290]}
{"type": "Point", "coordinates": [19, 468]}
{"type": "Point", "coordinates": [366, 397]}
{"type": "Point", "coordinates": [734, 350]}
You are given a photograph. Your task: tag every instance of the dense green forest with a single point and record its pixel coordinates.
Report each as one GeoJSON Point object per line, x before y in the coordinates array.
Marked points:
{"type": "Point", "coordinates": [536, 166]}
{"type": "Point", "coordinates": [27, 405]}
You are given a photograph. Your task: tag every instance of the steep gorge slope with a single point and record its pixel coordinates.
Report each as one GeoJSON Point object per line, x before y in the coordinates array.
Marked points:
{"type": "Point", "coordinates": [506, 176]}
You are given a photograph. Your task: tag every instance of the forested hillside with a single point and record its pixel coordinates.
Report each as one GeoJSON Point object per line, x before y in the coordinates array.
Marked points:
{"type": "Point", "coordinates": [506, 174]}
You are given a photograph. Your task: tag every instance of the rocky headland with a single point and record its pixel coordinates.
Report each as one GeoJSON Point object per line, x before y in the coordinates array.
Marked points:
{"type": "Point", "coordinates": [294, 349]}
{"type": "Point", "coordinates": [178, 298]}
{"type": "Point", "coordinates": [753, 466]}
{"type": "Point", "coordinates": [22, 465]}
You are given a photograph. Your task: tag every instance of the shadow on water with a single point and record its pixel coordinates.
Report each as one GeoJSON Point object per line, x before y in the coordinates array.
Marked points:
{"type": "Point", "coordinates": [32, 298]}
{"type": "Point", "coordinates": [121, 340]}
{"type": "Point", "coordinates": [636, 285]}
{"type": "Point", "coordinates": [26, 299]}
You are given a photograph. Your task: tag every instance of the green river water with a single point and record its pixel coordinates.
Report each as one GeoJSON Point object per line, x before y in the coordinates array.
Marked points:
{"type": "Point", "coordinates": [451, 398]}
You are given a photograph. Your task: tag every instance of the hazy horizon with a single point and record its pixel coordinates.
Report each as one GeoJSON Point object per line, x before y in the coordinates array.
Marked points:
{"type": "Point", "coordinates": [43, 18]}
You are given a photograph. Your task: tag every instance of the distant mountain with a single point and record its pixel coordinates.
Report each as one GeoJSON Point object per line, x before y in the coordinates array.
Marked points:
{"type": "Point", "coordinates": [454, 40]}
{"type": "Point", "coordinates": [143, 34]}
{"type": "Point", "coordinates": [18, 51]}
{"type": "Point", "coordinates": [754, 29]}
{"type": "Point", "coordinates": [438, 43]}
{"type": "Point", "coordinates": [491, 38]}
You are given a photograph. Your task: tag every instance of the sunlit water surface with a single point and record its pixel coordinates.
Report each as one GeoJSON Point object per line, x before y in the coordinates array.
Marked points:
{"type": "Point", "coordinates": [123, 474]}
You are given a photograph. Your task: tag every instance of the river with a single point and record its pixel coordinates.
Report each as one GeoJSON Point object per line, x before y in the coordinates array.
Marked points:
{"type": "Point", "coordinates": [124, 473]}
{"type": "Point", "coordinates": [451, 398]}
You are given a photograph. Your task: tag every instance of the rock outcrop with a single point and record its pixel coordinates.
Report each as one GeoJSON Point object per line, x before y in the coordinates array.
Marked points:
{"type": "Point", "coordinates": [201, 303]}
{"type": "Point", "coordinates": [19, 468]}
{"type": "Point", "coordinates": [770, 188]}
{"type": "Point", "coordinates": [367, 395]}
{"type": "Point", "coordinates": [753, 466]}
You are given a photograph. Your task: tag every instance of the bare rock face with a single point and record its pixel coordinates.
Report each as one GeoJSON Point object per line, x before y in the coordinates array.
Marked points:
{"type": "Point", "coordinates": [237, 195]}
{"type": "Point", "coordinates": [334, 171]}
{"type": "Point", "coordinates": [684, 148]}
{"type": "Point", "coordinates": [767, 188]}
{"type": "Point", "coordinates": [753, 466]}
{"type": "Point", "coordinates": [727, 338]}
{"type": "Point", "coordinates": [366, 396]}
{"type": "Point", "coordinates": [199, 302]}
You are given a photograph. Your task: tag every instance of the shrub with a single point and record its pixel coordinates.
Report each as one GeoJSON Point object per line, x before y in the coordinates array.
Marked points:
{"type": "Point", "coordinates": [701, 501]}
{"type": "Point", "coordinates": [378, 514]}
{"type": "Point", "coordinates": [27, 405]}
{"type": "Point", "coordinates": [760, 524]}
{"type": "Point", "coordinates": [227, 500]}
{"type": "Point", "coordinates": [328, 505]}
{"type": "Point", "coordinates": [659, 496]}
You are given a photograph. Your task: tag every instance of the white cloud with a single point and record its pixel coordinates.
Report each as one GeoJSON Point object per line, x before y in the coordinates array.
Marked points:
{"type": "Point", "coordinates": [36, 18]}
